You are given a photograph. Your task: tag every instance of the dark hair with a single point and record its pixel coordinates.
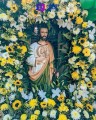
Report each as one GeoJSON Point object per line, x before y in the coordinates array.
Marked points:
{"type": "Point", "coordinates": [43, 25]}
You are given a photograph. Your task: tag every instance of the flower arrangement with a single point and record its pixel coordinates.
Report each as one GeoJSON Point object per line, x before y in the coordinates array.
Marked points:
{"type": "Point", "coordinates": [72, 102]}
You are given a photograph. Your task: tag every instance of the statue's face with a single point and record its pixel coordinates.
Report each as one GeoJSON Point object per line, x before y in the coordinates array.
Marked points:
{"type": "Point", "coordinates": [43, 33]}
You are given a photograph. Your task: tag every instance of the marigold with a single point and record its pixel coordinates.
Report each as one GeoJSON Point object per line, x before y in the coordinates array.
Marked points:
{"type": "Point", "coordinates": [86, 52]}
{"type": "Point", "coordinates": [84, 25]}
{"type": "Point", "coordinates": [79, 20]}
{"type": "Point", "coordinates": [75, 75]}
{"type": "Point", "coordinates": [63, 108]}
{"type": "Point", "coordinates": [51, 102]}
{"type": "Point", "coordinates": [62, 117]}
{"type": "Point", "coordinates": [16, 104]}
{"type": "Point", "coordinates": [76, 49]}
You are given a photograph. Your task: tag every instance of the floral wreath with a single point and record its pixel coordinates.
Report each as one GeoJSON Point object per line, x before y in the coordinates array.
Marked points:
{"type": "Point", "coordinates": [74, 101]}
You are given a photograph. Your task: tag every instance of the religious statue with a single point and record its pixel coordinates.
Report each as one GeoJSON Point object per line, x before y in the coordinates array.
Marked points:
{"type": "Point", "coordinates": [41, 60]}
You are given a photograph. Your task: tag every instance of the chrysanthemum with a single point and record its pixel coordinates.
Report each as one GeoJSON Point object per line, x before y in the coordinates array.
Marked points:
{"type": "Point", "coordinates": [16, 104]}
{"type": "Point", "coordinates": [76, 49]}
{"type": "Point", "coordinates": [79, 20]}
{"type": "Point", "coordinates": [62, 117]}
{"type": "Point", "coordinates": [75, 75]}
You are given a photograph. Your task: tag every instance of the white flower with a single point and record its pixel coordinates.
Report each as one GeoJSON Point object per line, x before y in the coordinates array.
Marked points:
{"type": "Point", "coordinates": [72, 60]}
{"type": "Point", "coordinates": [9, 4]}
{"type": "Point", "coordinates": [76, 31]}
{"type": "Point", "coordinates": [75, 115]}
{"type": "Point", "coordinates": [5, 55]}
{"type": "Point", "coordinates": [43, 1]}
{"type": "Point", "coordinates": [53, 113]}
{"type": "Point", "coordinates": [51, 14]}
{"type": "Point", "coordinates": [61, 14]}
{"type": "Point", "coordinates": [91, 34]}
{"type": "Point", "coordinates": [94, 105]}
{"type": "Point", "coordinates": [72, 87]}
{"type": "Point", "coordinates": [92, 57]}
{"type": "Point", "coordinates": [90, 24]}
{"type": "Point", "coordinates": [12, 97]}
{"type": "Point", "coordinates": [86, 114]}
{"type": "Point", "coordinates": [13, 88]}
{"type": "Point", "coordinates": [3, 17]}
{"type": "Point", "coordinates": [27, 97]}
{"type": "Point", "coordinates": [39, 18]}
{"type": "Point", "coordinates": [20, 27]}
{"type": "Point", "coordinates": [7, 117]}
{"type": "Point", "coordinates": [55, 92]}
{"type": "Point", "coordinates": [87, 79]}
{"type": "Point", "coordinates": [86, 44]}
{"type": "Point", "coordinates": [69, 24]}
{"type": "Point", "coordinates": [70, 8]}
{"type": "Point", "coordinates": [84, 93]}
{"type": "Point", "coordinates": [44, 113]}
{"type": "Point", "coordinates": [83, 87]}
{"type": "Point", "coordinates": [84, 13]}
{"type": "Point", "coordinates": [8, 85]}
{"type": "Point", "coordinates": [62, 1]}
{"type": "Point", "coordinates": [13, 38]}
{"type": "Point", "coordinates": [19, 76]}
{"type": "Point", "coordinates": [22, 18]}
{"type": "Point", "coordinates": [17, 62]}
{"type": "Point", "coordinates": [2, 100]}
{"type": "Point", "coordinates": [42, 94]}
{"type": "Point", "coordinates": [61, 23]}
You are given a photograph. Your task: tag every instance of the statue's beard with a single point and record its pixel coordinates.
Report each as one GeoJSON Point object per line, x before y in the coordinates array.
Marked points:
{"type": "Point", "coordinates": [43, 38]}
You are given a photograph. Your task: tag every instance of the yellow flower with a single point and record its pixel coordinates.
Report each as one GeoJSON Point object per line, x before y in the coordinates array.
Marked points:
{"type": "Point", "coordinates": [14, 8]}
{"type": "Point", "coordinates": [89, 84]}
{"type": "Point", "coordinates": [3, 91]}
{"type": "Point", "coordinates": [94, 117]}
{"type": "Point", "coordinates": [63, 108]}
{"type": "Point", "coordinates": [94, 76]}
{"type": "Point", "coordinates": [80, 105]}
{"type": "Point", "coordinates": [24, 49]}
{"type": "Point", "coordinates": [74, 42]}
{"type": "Point", "coordinates": [86, 52]}
{"type": "Point", "coordinates": [9, 74]}
{"type": "Point", "coordinates": [84, 25]}
{"type": "Point", "coordinates": [51, 102]}
{"type": "Point", "coordinates": [81, 64]}
{"type": "Point", "coordinates": [4, 107]}
{"type": "Point", "coordinates": [17, 83]}
{"type": "Point", "coordinates": [56, 1]}
{"type": "Point", "coordinates": [43, 104]}
{"type": "Point", "coordinates": [20, 89]}
{"type": "Point", "coordinates": [3, 62]}
{"type": "Point", "coordinates": [89, 107]}
{"type": "Point", "coordinates": [16, 104]}
{"type": "Point", "coordinates": [23, 117]}
{"type": "Point", "coordinates": [93, 70]}
{"type": "Point", "coordinates": [62, 117]}
{"type": "Point", "coordinates": [9, 49]}
{"type": "Point", "coordinates": [75, 75]}
{"type": "Point", "coordinates": [61, 98]}
{"type": "Point", "coordinates": [79, 20]}
{"type": "Point", "coordinates": [10, 61]}
{"type": "Point", "coordinates": [24, 2]}
{"type": "Point", "coordinates": [82, 40]}
{"type": "Point", "coordinates": [37, 112]}
{"type": "Point", "coordinates": [33, 103]}
{"type": "Point", "coordinates": [34, 117]}
{"type": "Point", "coordinates": [76, 49]}
{"type": "Point", "coordinates": [20, 34]}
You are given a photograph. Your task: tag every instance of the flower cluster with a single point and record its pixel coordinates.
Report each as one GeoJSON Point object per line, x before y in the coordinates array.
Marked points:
{"type": "Point", "coordinates": [78, 100]}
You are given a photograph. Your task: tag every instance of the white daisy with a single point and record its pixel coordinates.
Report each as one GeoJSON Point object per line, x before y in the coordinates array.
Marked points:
{"type": "Point", "coordinates": [70, 8]}
{"type": "Point", "coordinates": [22, 18]}
{"type": "Point", "coordinates": [19, 76]}
{"type": "Point", "coordinates": [61, 23]}
{"type": "Point", "coordinates": [61, 14]}
{"type": "Point", "coordinates": [3, 17]}
{"type": "Point", "coordinates": [53, 113]}
{"type": "Point", "coordinates": [51, 14]}
{"type": "Point", "coordinates": [7, 117]}
{"type": "Point", "coordinates": [13, 38]}
{"type": "Point", "coordinates": [44, 113]}
{"type": "Point", "coordinates": [76, 31]}
{"type": "Point", "coordinates": [75, 114]}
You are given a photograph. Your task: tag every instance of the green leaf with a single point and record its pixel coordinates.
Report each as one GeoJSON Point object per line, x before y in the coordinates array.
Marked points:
{"type": "Point", "coordinates": [87, 4]}
{"type": "Point", "coordinates": [92, 14]}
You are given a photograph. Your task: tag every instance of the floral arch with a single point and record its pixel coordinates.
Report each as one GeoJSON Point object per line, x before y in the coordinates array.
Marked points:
{"type": "Point", "coordinates": [71, 100]}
